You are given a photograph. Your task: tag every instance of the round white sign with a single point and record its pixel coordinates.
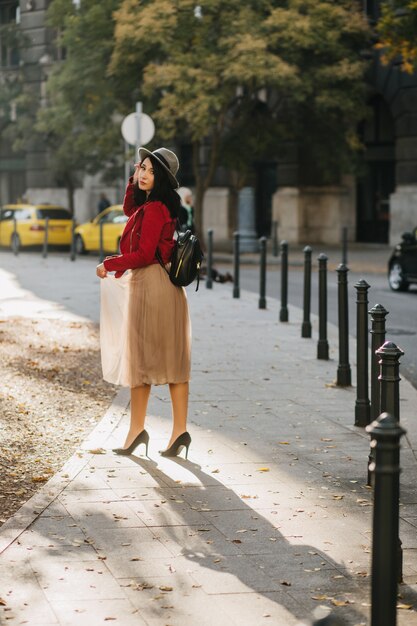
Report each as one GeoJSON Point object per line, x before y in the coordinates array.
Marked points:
{"type": "Point", "coordinates": [147, 129]}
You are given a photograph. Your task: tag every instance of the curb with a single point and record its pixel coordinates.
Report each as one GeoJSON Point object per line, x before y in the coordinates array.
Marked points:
{"type": "Point", "coordinates": [36, 505]}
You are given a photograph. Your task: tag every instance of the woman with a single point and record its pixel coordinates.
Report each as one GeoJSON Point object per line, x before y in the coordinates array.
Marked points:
{"type": "Point", "coordinates": [144, 327]}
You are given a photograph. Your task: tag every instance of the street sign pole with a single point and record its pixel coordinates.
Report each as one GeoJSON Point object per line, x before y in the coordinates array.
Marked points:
{"type": "Point", "coordinates": [138, 127]}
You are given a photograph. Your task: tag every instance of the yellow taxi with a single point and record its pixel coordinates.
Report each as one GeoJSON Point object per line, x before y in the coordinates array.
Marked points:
{"type": "Point", "coordinates": [30, 220]}
{"type": "Point", "coordinates": [87, 236]}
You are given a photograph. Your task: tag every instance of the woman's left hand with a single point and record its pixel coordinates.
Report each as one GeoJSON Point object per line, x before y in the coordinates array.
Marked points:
{"type": "Point", "coordinates": [101, 271]}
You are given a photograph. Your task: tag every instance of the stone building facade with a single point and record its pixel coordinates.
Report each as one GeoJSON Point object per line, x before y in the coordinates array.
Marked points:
{"type": "Point", "coordinates": [376, 207]}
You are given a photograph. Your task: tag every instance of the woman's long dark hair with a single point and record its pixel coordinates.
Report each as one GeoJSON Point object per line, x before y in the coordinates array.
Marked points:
{"type": "Point", "coordinates": [162, 190]}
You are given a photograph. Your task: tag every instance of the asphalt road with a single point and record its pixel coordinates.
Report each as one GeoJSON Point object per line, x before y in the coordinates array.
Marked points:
{"type": "Point", "coordinates": [401, 322]}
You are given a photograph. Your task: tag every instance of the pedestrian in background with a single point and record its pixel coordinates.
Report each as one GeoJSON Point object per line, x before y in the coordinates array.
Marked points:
{"type": "Point", "coordinates": [145, 330]}
{"type": "Point", "coordinates": [186, 217]}
{"type": "Point", "coordinates": [103, 203]}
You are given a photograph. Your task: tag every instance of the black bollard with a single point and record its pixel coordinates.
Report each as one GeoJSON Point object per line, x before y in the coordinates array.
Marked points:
{"type": "Point", "coordinates": [362, 405]}
{"type": "Point", "coordinates": [385, 433]}
{"type": "Point", "coordinates": [344, 376]}
{"type": "Point", "coordinates": [389, 385]}
{"type": "Point", "coordinates": [283, 314]}
{"type": "Point", "coordinates": [378, 315]}
{"type": "Point", "coordinates": [45, 239]}
{"type": "Point", "coordinates": [236, 265]}
{"type": "Point", "coordinates": [275, 238]}
{"type": "Point", "coordinates": [344, 245]}
{"type": "Point", "coordinates": [15, 238]}
{"type": "Point", "coordinates": [306, 325]}
{"type": "Point", "coordinates": [322, 344]}
{"type": "Point", "coordinates": [72, 247]}
{"type": "Point", "coordinates": [101, 248]}
{"type": "Point", "coordinates": [262, 276]}
{"type": "Point", "coordinates": [389, 378]}
{"type": "Point", "coordinates": [209, 278]}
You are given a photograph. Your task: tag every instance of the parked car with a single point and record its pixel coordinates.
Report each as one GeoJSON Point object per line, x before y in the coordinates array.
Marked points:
{"type": "Point", "coordinates": [30, 225]}
{"type": "Point", "coordinates": [87, 236]}
{"type": "Point", "coordinates": [402, 266]}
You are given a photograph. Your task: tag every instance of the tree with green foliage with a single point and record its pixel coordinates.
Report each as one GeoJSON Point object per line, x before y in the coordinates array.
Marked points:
{"type": "Point", "coordinates": [201, 69]}
{"type": "Point", "coordinates": [78, 121]}
{"type": "Point", "coordinates": [397, 30]}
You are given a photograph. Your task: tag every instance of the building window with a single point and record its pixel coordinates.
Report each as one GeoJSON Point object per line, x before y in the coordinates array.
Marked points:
{"type": "Point", "coordinates": [9, 18]}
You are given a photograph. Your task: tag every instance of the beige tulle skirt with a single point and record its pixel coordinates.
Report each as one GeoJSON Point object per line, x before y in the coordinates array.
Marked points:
{"type": "Point", "coordinates": [145, 331]}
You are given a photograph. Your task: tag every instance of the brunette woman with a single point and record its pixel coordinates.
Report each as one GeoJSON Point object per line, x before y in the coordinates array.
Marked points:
{"type": "Point", "coordinates": [145, 331]}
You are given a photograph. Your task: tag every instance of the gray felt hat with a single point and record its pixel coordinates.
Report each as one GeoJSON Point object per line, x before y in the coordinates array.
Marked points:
{"type": "Point", "coordinates": [167, 159]}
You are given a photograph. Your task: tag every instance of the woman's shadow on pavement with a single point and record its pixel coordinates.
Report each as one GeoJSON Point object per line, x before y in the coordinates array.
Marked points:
{"type": "Point", "coordinates": [248, 553]}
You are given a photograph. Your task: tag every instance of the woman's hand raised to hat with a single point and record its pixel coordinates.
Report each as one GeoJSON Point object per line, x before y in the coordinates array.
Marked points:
{"type": "Point", "coordinates": [136, 173]}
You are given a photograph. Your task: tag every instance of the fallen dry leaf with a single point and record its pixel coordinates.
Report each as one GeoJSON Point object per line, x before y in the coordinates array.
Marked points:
{"type": "Point", "coordinates": [340, 602]}
{"type": "Point", "coordinates": [284, 443]}
{"type": "Point", "coordinates": [165, 588]}
{"type": "Point", "coordinates": [406, 607]}
{"type": "Point", "coordinates": [263, 469]}
{"type": "Point", "coordinates": [97, 451]}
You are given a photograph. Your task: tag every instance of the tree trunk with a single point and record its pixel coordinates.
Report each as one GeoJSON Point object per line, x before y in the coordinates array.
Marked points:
{"type": "Point", "coordinates": [70, 194]}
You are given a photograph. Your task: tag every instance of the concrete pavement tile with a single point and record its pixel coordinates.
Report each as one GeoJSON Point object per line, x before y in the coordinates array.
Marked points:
{"type": "Point", "coordinates": [127, 566]}
{"type": "Point", "coordinates": [249, 474]}
{"type": "Point", "coordinates": [90, 516]}
{"type": "Point", "coordinates": [77, 552]}
{"type": "Point", "coordinates": [206, 540]}
{"type": "Point", "coordinates": [147, 493]}
{"type": "Point", "coordinates": [232, 574]}
{"type": "Point", "coordinates": [49, 531]}
{"type": "Point", "coordinates": [166, 513]}
{"type": "Point", "coordinates": [24, 598]}
{"type": "Point", "coordinates": [94, 612]}
{"type": "Point", "coordinates": [77, 580]}
{"type": "Point", "coordinates": [286, 561]}
{"type": "Point", "coordinates": [127, 543]}
{"type": "Point", "coordinates": [87, 495]}
{"type": "Point", "coordinates": [214, 498]}
{"type": "Point", "coordinates": [56, 509]}
{"type": "Point", "coordinates": [133, 476]}
{"type": "Point", "coordinates": [255, 609]}
{"type": "Point", "coordinates": [180, 607]}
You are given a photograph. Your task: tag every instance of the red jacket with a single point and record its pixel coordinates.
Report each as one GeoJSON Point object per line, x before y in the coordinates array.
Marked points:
{"type": "Point", "coordinates": [149, 227]}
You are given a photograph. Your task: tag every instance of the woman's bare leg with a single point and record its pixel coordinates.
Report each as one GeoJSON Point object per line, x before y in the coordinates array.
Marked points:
{"type": "Point", "coordinates": [179, 399]}
{"type": "Point", "coordinates": [139, 397]}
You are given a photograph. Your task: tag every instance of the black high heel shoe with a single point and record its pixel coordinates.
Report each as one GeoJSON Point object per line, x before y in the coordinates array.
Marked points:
{"type": "Point", "coordinates": [143, 437]}
{"type": "Point", "coordinates": [183, 441]}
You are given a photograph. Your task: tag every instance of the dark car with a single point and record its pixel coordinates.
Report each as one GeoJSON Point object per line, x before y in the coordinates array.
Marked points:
{"type": "Point", "coordinates": [402, 266]}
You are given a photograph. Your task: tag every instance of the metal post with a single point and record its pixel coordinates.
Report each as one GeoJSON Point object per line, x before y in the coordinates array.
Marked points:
{"type": "Point", "coordinates": [101, 248]}
{"type": "Point", "coordinates": [72, 249]}
{"type": "Point", "coordinates": [236, 265]}
{"type": "Point", "coordinates": [306, 325]}
{"type": "Point", "coordinates": [45, 239]}
{"type": "Point", "coordinates": [275, 238]}
{"type": "Point", "coordinates": [344, 245]}
{"type": "Point", "coordinates": [385, 433]}
{"type": "Point", "coordinates": [378, 314]}
{"type": "Point", "coordinates": [389, 378]}
{"type": "Point", "coordinates": [322, 344]}
{"type": "Point", "coordinates": [283, 314]}
{"type": "Point", "coordinates": [262, 286]}
{"type": "Point", "coordinates": [15, 244]}
{"type": "Point", "coordinates": [344, 376]}
{"type": "Point", "coordinates": [362, 405]}
{"type": "Point", "coordinates": [209, 279]}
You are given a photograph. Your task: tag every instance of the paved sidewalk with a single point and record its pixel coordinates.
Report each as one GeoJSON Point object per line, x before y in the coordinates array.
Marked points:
{"type": "Point", "coordinates": [370, 257]}
{"type": "Point", "coordinates": [269, 518]}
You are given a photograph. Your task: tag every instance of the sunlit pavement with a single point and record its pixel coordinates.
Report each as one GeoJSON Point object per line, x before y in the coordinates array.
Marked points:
{"type": "Point", "coordinates": [269, 518]}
